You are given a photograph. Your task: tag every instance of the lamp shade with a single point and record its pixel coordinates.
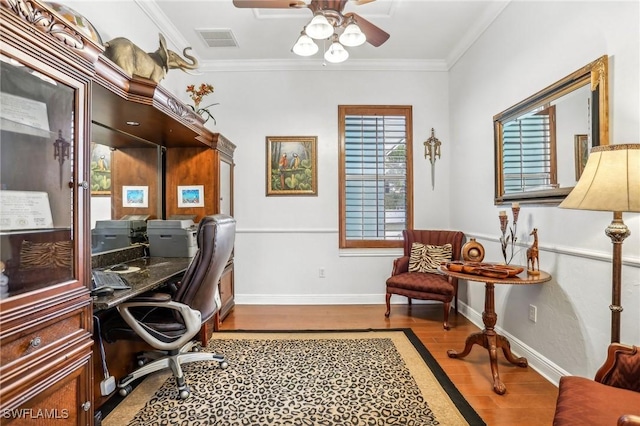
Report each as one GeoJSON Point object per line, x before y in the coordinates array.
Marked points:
{"type": "Point", "coordinates": [610, 180]}
{"type": "Point", "coordinates": [336, 53]}
{"type": "Point", "coordinates": [305, 46]}
{"type": "Point", "coordinates": [319, 27]}
{"type": "Point", "coordinates": [352, 36]}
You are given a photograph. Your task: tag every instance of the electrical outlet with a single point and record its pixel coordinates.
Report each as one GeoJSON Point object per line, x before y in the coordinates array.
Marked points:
{"type": "Point", "coordinates": [107, 386]}
{"type": "Point", "coordinates": [321, 272]}
{"type": "Point", "coordinates": [533, 313]}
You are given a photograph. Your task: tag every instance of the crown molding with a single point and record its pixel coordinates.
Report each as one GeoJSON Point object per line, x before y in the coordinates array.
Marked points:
{"type": "Point", "coordinates": [320, 65]}
{"type": "Point", "coordinates": [474, 32]}
{"type": "Point", "coordinates": [164, 24]}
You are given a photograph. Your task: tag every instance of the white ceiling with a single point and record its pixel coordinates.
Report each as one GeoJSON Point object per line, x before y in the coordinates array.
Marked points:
{"type": "Point", "coordinates": [425, 34]}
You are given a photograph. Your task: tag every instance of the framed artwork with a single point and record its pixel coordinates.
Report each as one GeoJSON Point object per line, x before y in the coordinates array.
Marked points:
{"type": "Point", "coordinates": [191, 196]}
{"type": "Point", "coordinates": [292, 165]}
{"type": "Point", "coordinates": [135, 196]}
{"type": "Point", "coordinates": [581, 143]}
{"type": "Point", "coordinates": [100, 169]}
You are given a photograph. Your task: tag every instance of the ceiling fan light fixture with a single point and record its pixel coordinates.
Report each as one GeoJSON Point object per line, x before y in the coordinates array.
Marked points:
{"type": "Point", "coordinates": [352, 36]}
{"type": "Point", "coordinates": [336, 53]}
{"type": "Point", "coordinates": [305, 46]}
{"type": "Point", "coordinates": [319, 27]}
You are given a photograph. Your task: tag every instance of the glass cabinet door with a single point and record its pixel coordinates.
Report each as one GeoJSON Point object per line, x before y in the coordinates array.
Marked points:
{"type": "Point", "coordinates": [37, 161]}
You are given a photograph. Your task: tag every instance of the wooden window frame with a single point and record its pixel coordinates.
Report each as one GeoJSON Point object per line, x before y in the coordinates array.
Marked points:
{"type": "Point", "coordinates": [343, 112]}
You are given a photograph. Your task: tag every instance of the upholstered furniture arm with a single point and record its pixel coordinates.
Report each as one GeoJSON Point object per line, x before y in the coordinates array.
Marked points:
{"type": "Point", "coordinates": [191, 318]}
{"type": "Point", "coordinates": [400, 265]}
{"type": "Point", "coordinates": [621, 368]}
{"type": "Point", "coordinates": [629, 420]}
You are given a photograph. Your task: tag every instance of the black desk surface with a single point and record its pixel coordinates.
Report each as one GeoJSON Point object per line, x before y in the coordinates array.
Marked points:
{"type": "Point", "coordinates": [154, 271]}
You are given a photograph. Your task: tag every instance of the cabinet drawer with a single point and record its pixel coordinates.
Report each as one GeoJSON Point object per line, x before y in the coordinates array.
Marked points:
{"type": "Point", "coordinates": [42, 336]}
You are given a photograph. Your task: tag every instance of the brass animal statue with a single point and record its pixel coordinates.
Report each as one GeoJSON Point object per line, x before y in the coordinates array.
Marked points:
{"type": "Point", "coordinates": [533, 264]}
{"type": "Point", "coordinates": [152, 65]}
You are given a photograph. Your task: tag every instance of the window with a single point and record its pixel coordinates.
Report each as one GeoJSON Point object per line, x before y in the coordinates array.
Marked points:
{"type": "Point", "coordinates": [529, 150]}
{"type": "Point", "coordinates": [376, 179]}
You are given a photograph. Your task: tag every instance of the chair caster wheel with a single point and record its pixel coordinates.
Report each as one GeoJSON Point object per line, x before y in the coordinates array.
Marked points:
{"type": "Point", "coordinates": [141, 360]}
{"type": "Point", "coordinates": [126, 390]}
{"type": "Point", "coordinates": [224, 365]}
{"type": "Point", "coordinates": [184, 393]}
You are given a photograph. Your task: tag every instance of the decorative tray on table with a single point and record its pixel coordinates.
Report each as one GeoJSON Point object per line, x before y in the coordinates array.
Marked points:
{"type": "Point", "coordinates": [491, 270]}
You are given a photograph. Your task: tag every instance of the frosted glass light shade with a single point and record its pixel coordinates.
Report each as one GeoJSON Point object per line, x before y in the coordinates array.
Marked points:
{"type": "Point", "coordinates": [352, 36]}
{"type": "Point", "coordinates": [336, 53]}
{"type": "Point", "coordinates": [319, 28]}
{"type": "Point", "coordinates": [305, 46]}
{"type": "Point", "coordinates": [610, 180]}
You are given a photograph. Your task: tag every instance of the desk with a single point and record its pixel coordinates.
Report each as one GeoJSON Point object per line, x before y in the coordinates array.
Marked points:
{"type": "Point", "coordinates": [120, 356]}
{"type": "Point", "coordinates": [154, 271]}
{"type": "Point", "coordinates": [488, 338]}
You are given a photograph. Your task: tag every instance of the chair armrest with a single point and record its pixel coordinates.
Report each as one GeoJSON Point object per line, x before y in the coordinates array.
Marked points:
{"type": "Point", "coordinates": [150, 297]}
{"type": "Point", "coordinates": [629, 420]}
{"type": "Point", "coordinates": [400, 265]}
{"type": "Point", "coordinates": [191, 319]}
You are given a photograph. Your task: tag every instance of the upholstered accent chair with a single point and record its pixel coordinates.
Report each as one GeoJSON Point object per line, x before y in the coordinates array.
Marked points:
{"type": "Point", "coordinates": [425, 285]}
{"type": "Point", "coordinates": [611, 398]}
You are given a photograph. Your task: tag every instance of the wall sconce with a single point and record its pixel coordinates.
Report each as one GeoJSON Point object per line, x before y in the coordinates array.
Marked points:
{"type": "Point", "coordinates": [61, 152]}
{"type": "Point", "coordinates": [431, 151]}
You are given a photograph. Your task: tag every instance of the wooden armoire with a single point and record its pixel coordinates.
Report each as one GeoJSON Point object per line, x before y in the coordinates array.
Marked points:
{"type": "Point", "coordinates": [60, 96]}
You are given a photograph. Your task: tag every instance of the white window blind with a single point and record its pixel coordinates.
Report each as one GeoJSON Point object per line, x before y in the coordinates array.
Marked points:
{"type": "Point", "coordinates": [528, 152]}
{"type": "Point", "coordinates": [375, 162]}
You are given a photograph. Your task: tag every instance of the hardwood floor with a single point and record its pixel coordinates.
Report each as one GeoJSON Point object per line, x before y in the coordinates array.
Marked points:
{"type": "Point", "coordinates": [530, 399]}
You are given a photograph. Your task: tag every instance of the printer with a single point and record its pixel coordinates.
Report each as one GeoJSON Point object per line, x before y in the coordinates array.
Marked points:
{"type": "Point", "coordinates": [115, 234]}
{"type": "Point", "coordinates": [172, 238]}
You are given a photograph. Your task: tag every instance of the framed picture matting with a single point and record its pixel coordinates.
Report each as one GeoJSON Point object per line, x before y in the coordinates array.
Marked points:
{"type": "Point", "coordinates": [191, 196]}
{"type": "Point", "coordinates": [292, 165]}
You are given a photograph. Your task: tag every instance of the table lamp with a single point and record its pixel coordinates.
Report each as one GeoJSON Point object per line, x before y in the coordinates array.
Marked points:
{"type": "Point", "coordinates": [610, 182]}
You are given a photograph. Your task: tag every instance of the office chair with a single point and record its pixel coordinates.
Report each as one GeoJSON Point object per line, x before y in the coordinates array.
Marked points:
{"type": "Point", "coordinates": [170, 322]}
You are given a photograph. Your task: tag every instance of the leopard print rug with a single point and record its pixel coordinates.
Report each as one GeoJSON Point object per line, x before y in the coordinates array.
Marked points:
{"type": "Point", "coordinates": [311, 378]}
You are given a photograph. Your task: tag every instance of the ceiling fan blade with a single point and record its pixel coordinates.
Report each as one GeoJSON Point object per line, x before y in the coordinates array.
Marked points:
{"type": "Point", "coordinates": [375, 36]}
{"type": "Point", "coordinates": [270, 4]}
{"type": "Point", "coordinates": [359, 2]}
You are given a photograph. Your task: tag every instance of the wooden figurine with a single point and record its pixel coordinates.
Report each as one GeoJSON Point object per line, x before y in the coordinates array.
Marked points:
{"type": "Point", "coordinates": [533, 264]}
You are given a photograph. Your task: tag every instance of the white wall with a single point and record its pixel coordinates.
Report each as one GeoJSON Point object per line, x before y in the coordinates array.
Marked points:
{"type": "Point", "coordinates": [529, 46]}
{"type": "Point", "coordinates": [282, 242]}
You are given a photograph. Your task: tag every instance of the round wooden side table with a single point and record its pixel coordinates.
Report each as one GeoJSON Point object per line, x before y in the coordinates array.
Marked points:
{"type": "Point", "coordinates": [488, 338]}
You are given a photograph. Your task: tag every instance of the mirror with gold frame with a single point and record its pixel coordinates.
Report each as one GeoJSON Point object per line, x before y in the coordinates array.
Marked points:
{"type": "Point", "coordinates": [540, 142]}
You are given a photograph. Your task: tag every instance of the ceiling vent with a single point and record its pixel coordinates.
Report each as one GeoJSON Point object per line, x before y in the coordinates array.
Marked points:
{"type": "Point", "coordinates": [218, 37]}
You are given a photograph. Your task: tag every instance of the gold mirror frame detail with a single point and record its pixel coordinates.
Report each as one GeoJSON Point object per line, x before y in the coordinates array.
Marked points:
{"type": "Point", "coordinates": [595, 76]}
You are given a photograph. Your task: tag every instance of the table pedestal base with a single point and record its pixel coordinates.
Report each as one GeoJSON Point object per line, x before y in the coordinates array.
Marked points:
{"type": "Point", "coordinates": [491, 341]}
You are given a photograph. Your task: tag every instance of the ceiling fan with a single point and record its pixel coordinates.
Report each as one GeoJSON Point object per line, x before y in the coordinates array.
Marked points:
{"type": "Point", "coordinates": [327, 19]}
